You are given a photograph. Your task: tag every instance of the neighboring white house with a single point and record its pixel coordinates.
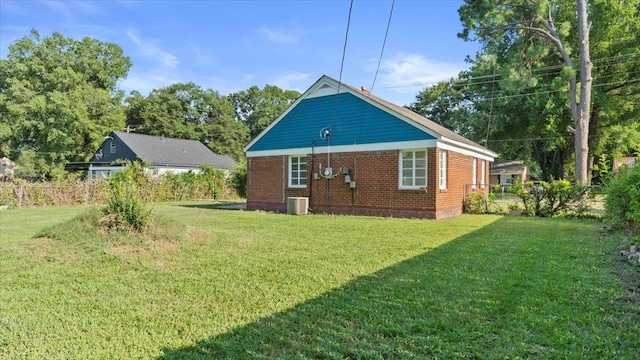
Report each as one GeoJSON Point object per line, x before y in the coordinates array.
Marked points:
{"type": "Point", "coordinates": [507, 172]}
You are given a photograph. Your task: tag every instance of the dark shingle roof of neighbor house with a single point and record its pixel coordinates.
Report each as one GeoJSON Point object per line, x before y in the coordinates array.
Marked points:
{"type": "Point", "coordinates": [161, 150]}
{"type": "Point", "coordinates": [507, 166]}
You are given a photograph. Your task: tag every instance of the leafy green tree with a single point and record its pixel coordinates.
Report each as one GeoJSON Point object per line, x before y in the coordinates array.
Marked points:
{"type": "Point", "coordinates": [258, 108]}
{"type": "Point", "coordinates": [534, 29]}
{"type": "Point", "coordinates": [516, 94]}
{"type": "Point", "coordinates": [186, 111]}
{"type": "Point", "coordinates": [58, 97]}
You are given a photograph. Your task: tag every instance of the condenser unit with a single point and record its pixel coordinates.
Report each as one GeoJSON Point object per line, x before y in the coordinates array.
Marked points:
{"type": "Point", "coordinates": [297, 205]}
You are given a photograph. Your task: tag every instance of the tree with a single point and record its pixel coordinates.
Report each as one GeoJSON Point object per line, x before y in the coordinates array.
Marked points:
{"type": "Point", "coordinates": [510, 22]}
{"type": "Point", "coordinates": [515, 93]}
{"type": "Point", "coordinates": [58, 97]}
{"type": "Point", "coordinates": [259, 108]}
{"type": "Point", "coordinates": [186, 111]}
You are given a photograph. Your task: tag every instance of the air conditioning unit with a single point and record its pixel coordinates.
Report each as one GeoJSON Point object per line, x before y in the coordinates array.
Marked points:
{"type": "Point", "coordinates": [297, 205]}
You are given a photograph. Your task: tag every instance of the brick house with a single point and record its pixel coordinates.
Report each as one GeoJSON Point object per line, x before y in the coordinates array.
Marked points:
{"type": "Point", "coordinates": [347, 151]}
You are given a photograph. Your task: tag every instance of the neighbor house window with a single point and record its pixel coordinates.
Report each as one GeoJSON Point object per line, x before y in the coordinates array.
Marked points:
{"type": "Point", "coordinates": [474, 171]}
{"type": "Point", "coordinates": [298, 171]}
{"type": "Point", "coordinates": [482, 164]}
{"type": "Point", "coordinates": [112, 147]}
{"type": "Point", "coordinates": [443, 170]}
{"type": "Point", "coordinates": [413, 169]}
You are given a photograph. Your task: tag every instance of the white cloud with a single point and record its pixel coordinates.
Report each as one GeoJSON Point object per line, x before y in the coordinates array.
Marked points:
{"type": "Point", "coordinates": [144, 83]}
{"type": "Point", "coordinates": [150, 49]}
{"type": "Point", "coordinates": [13, 7]}
{"type": "Point", "coordinates": [280, 36]}
{"type": "Point", "coordinates": [291, 81]}
{"type": "Point", "coordinates": [247, 77]}
{"type": "Point", "coordinates": [406, 73]}
{"type": "Point", "coordinates": [69, 8]}
{"type": "Point", "coordinates": [200, 57]}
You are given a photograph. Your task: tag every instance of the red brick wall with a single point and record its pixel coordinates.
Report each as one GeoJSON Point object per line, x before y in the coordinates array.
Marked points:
{"type": "Point", "coordinates": [376, 192]}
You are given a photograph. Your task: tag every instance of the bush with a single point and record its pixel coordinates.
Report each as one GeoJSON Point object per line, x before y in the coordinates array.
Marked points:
{"type": "Point", "coordinates": [480, 203]}
{"type": "Point", "coordinates": [622, 204]}
{"type": "Point", "coordinates": [239, 180]}
{"type": "Point", "coordinates": [547, 199]}
{"type": "Point", "coordinates": [126, 208]}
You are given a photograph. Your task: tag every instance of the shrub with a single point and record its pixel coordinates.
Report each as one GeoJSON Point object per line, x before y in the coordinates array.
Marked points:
{"type": "Point", "coordinates": [547, 199]}
{"type": "Point", "coordinates": [480, 203]}
{"type": "Point", "coordinates": [239, 180]}
{"type": "Point", "coordinates": [622, 204]}
{"type": "Point", "coordinates": [126, 208]}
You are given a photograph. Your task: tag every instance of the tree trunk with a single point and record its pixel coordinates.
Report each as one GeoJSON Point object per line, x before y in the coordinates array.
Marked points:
{"type": "Point", "coordinates": [593, 132]}
{"type": "Point", "coordinates": [581, 141]}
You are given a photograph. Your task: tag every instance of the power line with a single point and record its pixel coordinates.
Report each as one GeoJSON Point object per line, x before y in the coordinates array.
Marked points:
{"type": "Point", "coordinates": [524, 94]}
{"type": "Point", "coordinates": [344, 52]}
{"type": "Point", "coordinates": [344, 48]}
{"type": "Point", "coordinates": [384, 42]}
{"type": "Point", "coordinates": [568, 137]}
{"type": "Point", "coordinates": [536, 71]}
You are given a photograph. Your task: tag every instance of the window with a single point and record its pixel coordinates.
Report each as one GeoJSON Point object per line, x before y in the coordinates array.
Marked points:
{"type": "Point", "coordinates": [474, 171]}
{"type": "Point", "coordinates": [413, 169]}
{"type": "Point", "coordinates": [298, 171]}
{"type": "Point", "coordinates": [482, 174]}
{"type": "Point", "coordinates": [112, 147]}
{"type": "Point", "coordinates": [443, 170]}
{"type": "Point", "coordinates": [506, 180]}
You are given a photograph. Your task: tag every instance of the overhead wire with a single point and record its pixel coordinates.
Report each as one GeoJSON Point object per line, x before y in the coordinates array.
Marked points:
{"type": "Point", "coordinates": [384, 42]}
{"type": "Point", "coordinates": [344, 47]}
{"type": "Point", "coordinates": [542, 71]}
{"type": "Point", "coordinates": [344, 53]}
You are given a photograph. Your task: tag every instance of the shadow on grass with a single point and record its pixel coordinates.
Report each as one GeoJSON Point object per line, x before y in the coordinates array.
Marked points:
{"type": "Point", "coordinates": [460, 300]}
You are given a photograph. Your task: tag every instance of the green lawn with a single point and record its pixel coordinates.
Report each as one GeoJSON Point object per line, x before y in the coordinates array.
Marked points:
{"type": "Point", "coordinates": [255, 285]}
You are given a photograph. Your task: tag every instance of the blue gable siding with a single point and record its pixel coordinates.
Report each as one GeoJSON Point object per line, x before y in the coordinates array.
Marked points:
{"type": "Point", "coordinates": [352, 121]}
{"type": "Point", "coordinates": [123, 152]}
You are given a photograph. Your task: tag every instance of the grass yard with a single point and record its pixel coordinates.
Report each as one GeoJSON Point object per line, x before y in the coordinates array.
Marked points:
{"type": "Point", "coordinates": [255, 285]}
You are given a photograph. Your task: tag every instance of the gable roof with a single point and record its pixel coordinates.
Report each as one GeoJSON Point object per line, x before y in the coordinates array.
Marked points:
{"type": "Point", "coordinates": [508, 166]}
{"type": "Point", "coordinates": [359, 122]}
{"type": "Point", "coordinates": [166, 151]}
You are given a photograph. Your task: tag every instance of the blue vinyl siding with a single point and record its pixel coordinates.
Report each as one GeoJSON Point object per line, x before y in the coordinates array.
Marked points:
{"type": "Point", "coordinates": [352, 120]}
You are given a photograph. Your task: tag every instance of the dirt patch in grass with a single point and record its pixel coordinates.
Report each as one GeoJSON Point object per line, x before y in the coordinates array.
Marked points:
{"type": "Point", "coordinates": [158, 244]}
{"type": "Point", "coordinates": [85, 233]}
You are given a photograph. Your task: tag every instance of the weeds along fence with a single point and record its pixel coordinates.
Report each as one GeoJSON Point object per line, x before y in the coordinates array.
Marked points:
{"type": "Point", "coordinates": [97, 192]}
{"type": "Point", "coordinates": [25, 194]}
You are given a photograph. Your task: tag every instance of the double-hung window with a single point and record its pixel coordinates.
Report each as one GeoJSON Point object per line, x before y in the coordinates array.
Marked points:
{"type": "Point", "coordinates": [443, 170]}
{"type": "Point", "coordinates": [298, 171]}
{"type": "Point", "coordinates": [413, 169]}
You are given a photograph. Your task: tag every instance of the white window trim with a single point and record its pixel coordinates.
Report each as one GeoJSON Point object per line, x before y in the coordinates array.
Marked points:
{"type": "Point", "coordinates": [290, 169]}
{"type": "Point", "coordinates": [482, 173]}
{"type": "Point", "coordinates": [442, 170]}
{"type": "Point", "coordinates": [426, 162]}
{"type": "Point", "coordinates": [474, 172]}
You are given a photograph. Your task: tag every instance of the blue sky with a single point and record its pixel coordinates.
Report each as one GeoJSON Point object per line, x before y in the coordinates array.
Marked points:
{"type": "Point", "coordinates": [229, 46]}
